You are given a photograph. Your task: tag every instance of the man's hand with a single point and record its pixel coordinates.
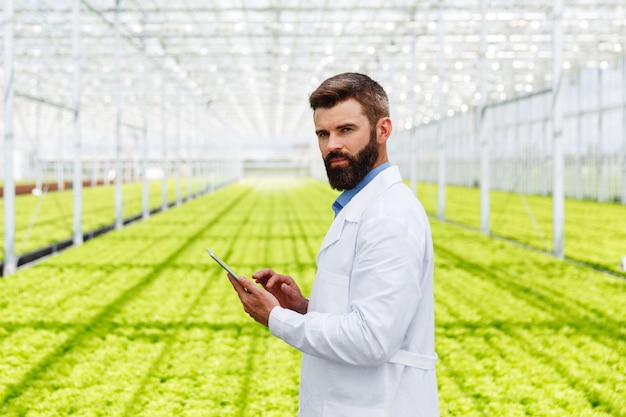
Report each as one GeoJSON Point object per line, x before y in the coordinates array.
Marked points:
{"type": "Point", "coordinates": [256, 301]}
{"type": "Point", "coordinates": [284, 288]}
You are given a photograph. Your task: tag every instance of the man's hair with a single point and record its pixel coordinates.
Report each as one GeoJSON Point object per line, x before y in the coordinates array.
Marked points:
{"type": "Point", "coordinates": [362, 88]}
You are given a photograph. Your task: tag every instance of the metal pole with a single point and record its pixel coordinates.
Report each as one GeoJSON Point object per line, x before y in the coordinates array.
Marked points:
{"type": "Point", "coordinates": [10, 260]}
{"type": "Point", "coordinates": [545, 154]}
{"type": "Point", "coordinates": [119, 196]}
{"type": "Point", "coordinates": [77, 187]}
{"type": "Point", "coordinates": [516, 155]}
{"type": "Point", "coordinates": [177, 141]}
{"type": "Point", "coordinates": [208, 156]}
{"type": "Point", "coordinates": [145, 192]}
{"type": "Point", "coordinates": [441, 139]}
{"type": "Point", "coordinates": [37, 155]}
{"type": "Point", "coordinates": [600, 159]}
{"type": "Point", "coordinates": [188, 159]}
{"type": "Point", "coordinates": [164, 133]}
{"type": "Point", "coordinates": [95, 161]}
{"type": "Point", "coordinates": [60, 168]}
{"type": "Point", "coordinates": [579, 141]}
{"type": "Point", "coordinates": [193, 152]}
{"type": "Point", "coordinates": [482, 138]}
{"type": "Point", "coordinates": [107, 168]}
{"type": "Point", "coordinates": [558, 203]}
{"type": "Point", "coordinates": [624, 130]}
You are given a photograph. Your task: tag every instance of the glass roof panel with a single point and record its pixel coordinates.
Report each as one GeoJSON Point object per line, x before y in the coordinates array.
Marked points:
{"type": "Point", "coordinates": [245, 68]}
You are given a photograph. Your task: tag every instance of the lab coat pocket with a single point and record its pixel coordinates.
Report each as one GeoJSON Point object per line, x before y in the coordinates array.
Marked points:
{"type": "Point", "coordinates": [329, 293]}
{"type": "Point", "coordinates": [339, 410]}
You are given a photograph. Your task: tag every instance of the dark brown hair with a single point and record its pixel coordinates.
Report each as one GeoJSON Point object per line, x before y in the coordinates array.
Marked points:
{"type": "Point", "coordinates": [362, 88]}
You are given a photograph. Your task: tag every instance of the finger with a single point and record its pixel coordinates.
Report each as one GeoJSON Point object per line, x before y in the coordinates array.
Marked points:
{"type": "Point", "coordinates": [273, 282]}
{"type": "Point", "coordinates": [247, 284]}
{"type": "Point", "coordinates": [261, 280]}
{"type": "Point", "coordinates": [288, 289]}
{"type": "Point", "coordinates": [263, 274]}
{"type": "Point", "coordinates": [236, 282]}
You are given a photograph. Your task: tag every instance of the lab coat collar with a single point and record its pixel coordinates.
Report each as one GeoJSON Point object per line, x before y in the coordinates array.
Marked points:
{"type": "Point", "coordinates": [353, 211]}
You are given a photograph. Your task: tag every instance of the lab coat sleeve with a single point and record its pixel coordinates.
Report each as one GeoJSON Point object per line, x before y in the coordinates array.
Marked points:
{"type": "Point", "coordinates": [384, 294]}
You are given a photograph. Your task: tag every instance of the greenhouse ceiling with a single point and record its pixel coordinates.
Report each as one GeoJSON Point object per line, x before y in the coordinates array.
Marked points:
{"type": "Point", "coordinates": [245, 68]}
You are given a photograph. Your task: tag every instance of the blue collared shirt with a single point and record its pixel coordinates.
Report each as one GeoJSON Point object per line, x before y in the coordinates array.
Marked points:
{"type": "Point", "coordinates": [345, 197]}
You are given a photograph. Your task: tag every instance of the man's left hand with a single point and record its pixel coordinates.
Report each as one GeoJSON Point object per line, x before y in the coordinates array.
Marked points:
{"type": "Point", "coordinates": [256, 301]}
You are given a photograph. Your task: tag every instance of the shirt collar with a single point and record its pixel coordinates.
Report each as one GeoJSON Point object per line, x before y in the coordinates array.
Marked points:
{"type": "Point", "coordinates": [345, 197]}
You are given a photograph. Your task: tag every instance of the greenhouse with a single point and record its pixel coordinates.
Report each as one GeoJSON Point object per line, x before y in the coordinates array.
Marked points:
{"type": "Point", "coordinates": [138, 133]}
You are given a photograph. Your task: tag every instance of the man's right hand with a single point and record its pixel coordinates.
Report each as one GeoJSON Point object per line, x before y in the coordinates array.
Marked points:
{"type": "Point", "coordinates": [284, 288]}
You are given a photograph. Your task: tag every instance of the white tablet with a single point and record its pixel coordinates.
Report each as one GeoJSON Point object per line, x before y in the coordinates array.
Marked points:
{"type": "Point", "coordinates": [222, 264]}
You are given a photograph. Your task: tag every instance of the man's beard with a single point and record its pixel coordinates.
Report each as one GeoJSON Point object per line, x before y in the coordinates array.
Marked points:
{"type": "Point", "coordinates": [346, 178]}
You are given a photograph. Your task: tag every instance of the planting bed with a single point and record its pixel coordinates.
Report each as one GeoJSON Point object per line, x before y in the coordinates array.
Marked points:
{"type": "Point", "coordinates": [141, 321]}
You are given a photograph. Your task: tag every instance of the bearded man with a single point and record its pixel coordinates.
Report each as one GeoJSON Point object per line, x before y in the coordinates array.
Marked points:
{"type": "Point", "coordinates": [367, 332]}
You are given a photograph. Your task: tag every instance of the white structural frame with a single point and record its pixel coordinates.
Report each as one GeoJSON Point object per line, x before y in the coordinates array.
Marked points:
{"type": "Point", "coordinates": [77, 182]}
{"type": "Point", "coordinates": [481, 136]}
{"type": "Point", "coordinates": [558, 194]}
{"type": "Point", "coordinates": [119, 196]}
{"type": "Point", "coordinates": [233, 76]}
{"type": "Point", "coordinates": [441, 125]}
{"type": "Point", "coordinates": [10, 261]}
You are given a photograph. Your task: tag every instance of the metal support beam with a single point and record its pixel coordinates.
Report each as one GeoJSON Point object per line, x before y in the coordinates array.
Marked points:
{"type": "Point", "coordinates": [119, 196]}
{"type": "Point", "coordinates": [481, 135]}
{"type": "Point", "coordinates": [600, 195]}
{"type": "Point", "coordinates": [177, 143]}
{"type": "Point", "coordinates": [579, 142]}
{"type": "Point", "coordinates": [145, 192]}
{"type": "Point", "coordinates": [441, 136]}
{"type": "Point", "coordinates": [60, 168]}
{"type": "Point", "coordinates": [189, 156]}
{"type": "Point", "coordinates": [164, 133]}
{"type": "Point", "coordinates": [558, 196]}
{"type": "Point", "coordinates": [77, 186]}
{"type": "Point", "coordinates": [623, 200]}
{"type": "Point", "coordinates": [36, 154]}
{"type": "Point", "coordinates": [191, 131]}
{"type": "Point", "coordinates": [10, 259]}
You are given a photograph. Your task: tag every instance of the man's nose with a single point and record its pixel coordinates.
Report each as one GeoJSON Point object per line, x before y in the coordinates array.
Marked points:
{"type": "Point", "coordinates": [334, 143]}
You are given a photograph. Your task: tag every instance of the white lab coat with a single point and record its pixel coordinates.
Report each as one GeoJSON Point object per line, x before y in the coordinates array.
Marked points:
{"type": "Point", "coordinates": [368, 336]}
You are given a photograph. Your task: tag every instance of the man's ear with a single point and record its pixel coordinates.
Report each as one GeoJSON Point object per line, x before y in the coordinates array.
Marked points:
{"type": "Point", "coordinates": [383, 130]}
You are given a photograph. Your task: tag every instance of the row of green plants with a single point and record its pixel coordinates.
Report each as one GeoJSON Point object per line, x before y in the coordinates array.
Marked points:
{"type": "Point", "coordinates": [594, 232]}
{"type": "Point", "coordinates": [42, 220]}
{"type": "Point", "coordinates": [141, 321]}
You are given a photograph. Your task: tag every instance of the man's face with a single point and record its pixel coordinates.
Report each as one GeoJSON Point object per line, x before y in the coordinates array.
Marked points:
{"type": "Point", "coordinates": [347, 142]}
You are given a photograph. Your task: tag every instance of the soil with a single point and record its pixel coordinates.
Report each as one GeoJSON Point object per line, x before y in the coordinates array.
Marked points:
{"type": "Point", "coordinates": [48, 186]}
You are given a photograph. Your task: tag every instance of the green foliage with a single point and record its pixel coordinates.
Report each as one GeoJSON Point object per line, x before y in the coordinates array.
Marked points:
{"type": "Point", "coordinates": [141, 321]}
{"type": "Point", "coordinates": [519, 333]}
{"type": "Point", "coordinates": [46, 219]}
{"type": "Point", "coordinates": [594, 233]}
